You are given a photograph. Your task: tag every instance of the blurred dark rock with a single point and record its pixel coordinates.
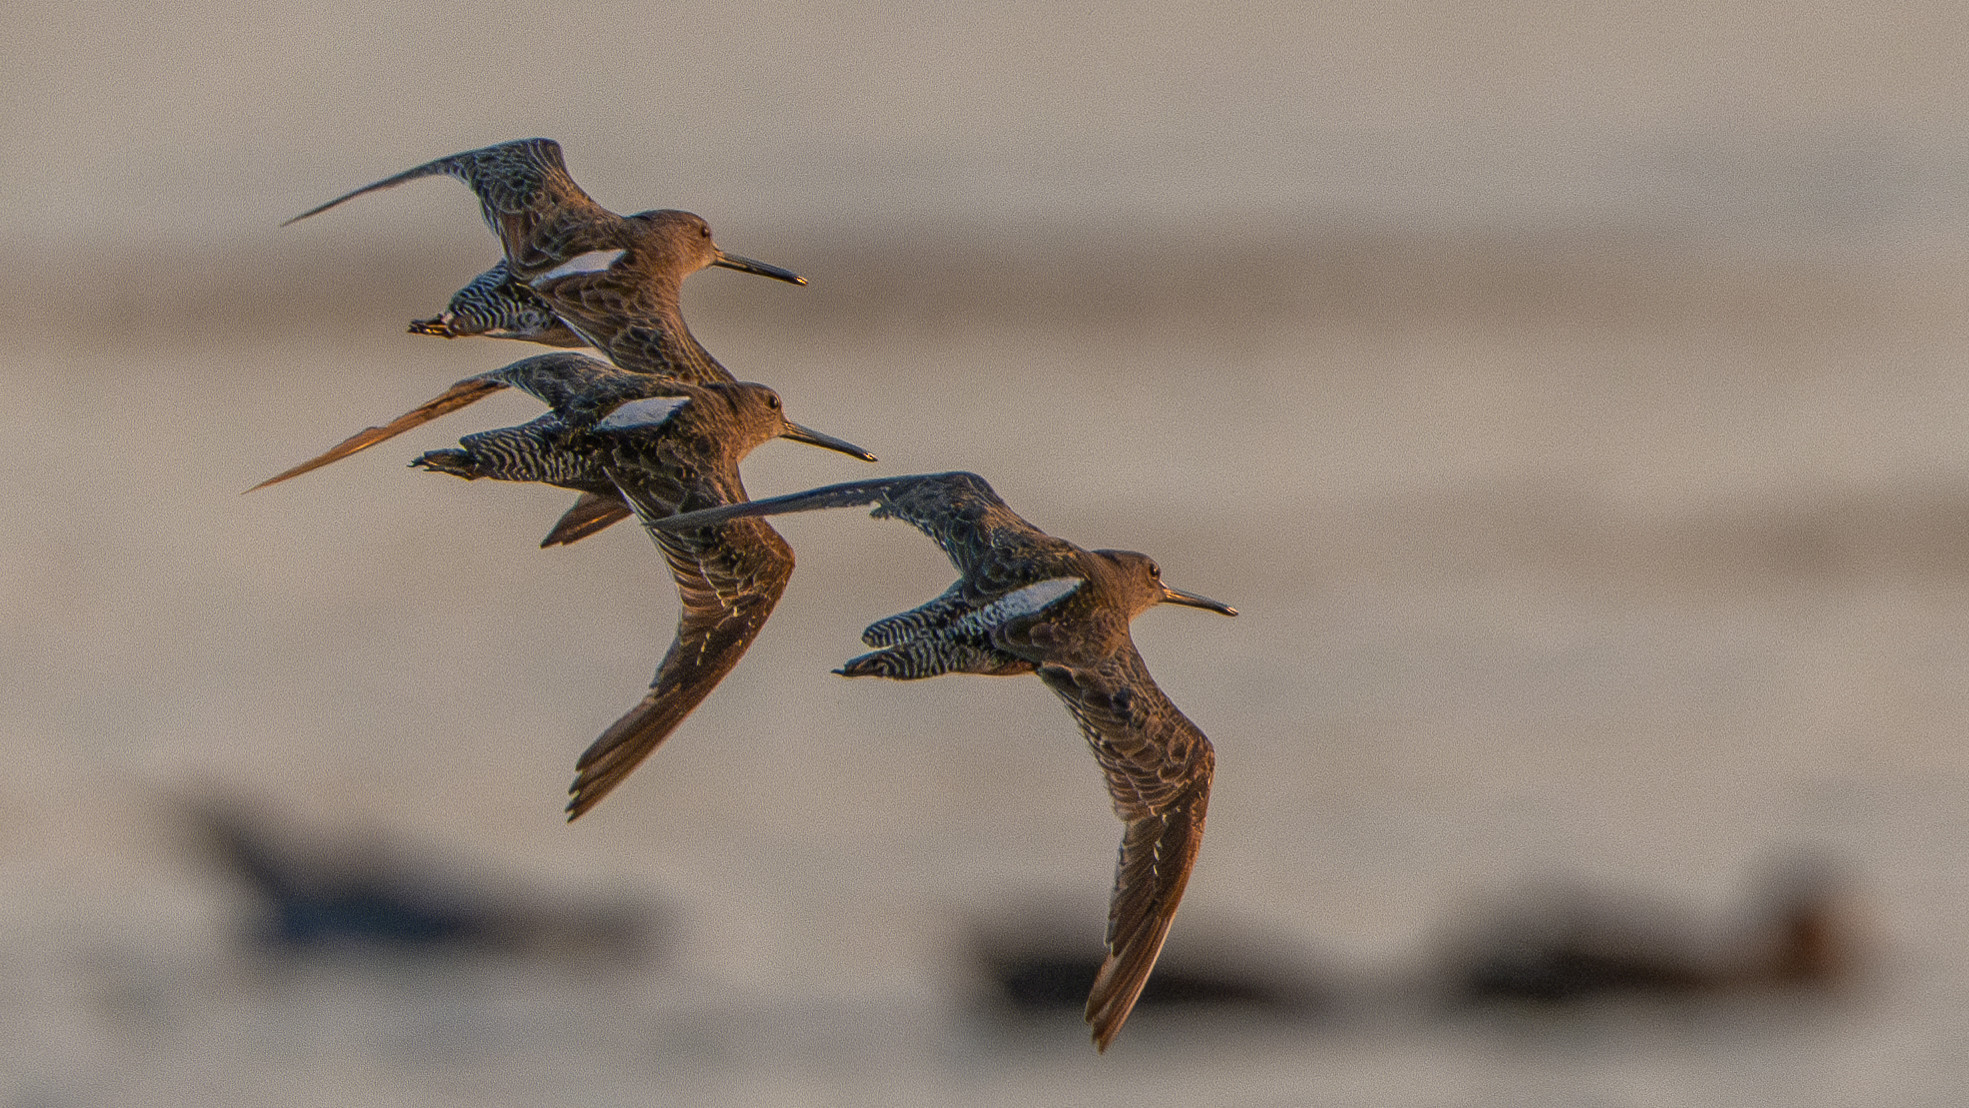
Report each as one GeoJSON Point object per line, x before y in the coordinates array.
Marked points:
{"type": "Point", "coordinates": [1040, 969]}
{"type": "Point", "coordinates": [312, 894]}
{"type": "Point", "coordinates": [1799, 933]}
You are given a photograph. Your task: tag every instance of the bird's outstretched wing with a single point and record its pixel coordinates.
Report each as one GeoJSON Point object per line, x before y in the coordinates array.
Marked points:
{"type": "Point", "coordinates": [1158, 767]}
{"type": "Point", "coordinates": [591, 513]}
{"type": "Point", "coordinates": [525, 194]}
{"type": "Point", "coordinates": [563, 381]}
{"type": "Point", "coordinates": [468, 391]}
{"type": "Point", "coordinates": [578, 387]}
{"type": "Point", "coordinates": [959, 510]}
{"type": "Point", "coordinates": [729, 577]}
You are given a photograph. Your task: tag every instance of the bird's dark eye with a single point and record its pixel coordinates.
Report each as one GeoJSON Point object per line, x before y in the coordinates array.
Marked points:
{"type": "Point", "coordinates": [1155, 571]}
{"type": "Point", "coordinates": [704, 232]}
{"type": "Point", "coordinates": [772, 402]}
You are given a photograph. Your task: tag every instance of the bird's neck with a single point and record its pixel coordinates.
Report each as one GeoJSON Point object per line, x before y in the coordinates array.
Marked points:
{"type": "Point", "coordinates": [692, 353]}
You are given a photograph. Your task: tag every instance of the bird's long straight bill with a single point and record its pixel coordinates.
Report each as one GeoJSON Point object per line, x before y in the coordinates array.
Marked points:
{"type": "Point", "coordinates": [814, 438]}
{"type": "Point", "coordinates": [1190, 599]}
{"type": "Point", "coordinates": [752, 265]}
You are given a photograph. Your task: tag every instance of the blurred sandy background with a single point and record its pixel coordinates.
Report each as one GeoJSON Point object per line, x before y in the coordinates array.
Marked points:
{"type": "Point", "coordinates": [1572, 401]}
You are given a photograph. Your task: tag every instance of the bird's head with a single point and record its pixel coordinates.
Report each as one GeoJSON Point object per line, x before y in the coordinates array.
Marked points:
{"type": "Point", "coordinates": [680, 242]}
{"type": "Point", "coordinates": [1142, 587]}
{"type": "Point", "coordinates": [760, 415]}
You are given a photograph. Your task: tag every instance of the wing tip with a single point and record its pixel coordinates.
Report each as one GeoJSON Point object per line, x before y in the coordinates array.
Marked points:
{"type": "Point", "coordinates": [589, 515]}
{"type": "Point", "coordinates": [578, 802]}
{"type": "Point", "coordinates": [1116, 988]}
{"type": "Point", "coordinates": [308, 466]}
{"type": "Point", "coordinates": [465, 392]}
{"type": "Point", "coordinates": [592, 783]}
{"type": "Point", "coordinates": [1105, 1030]}
{"type": "Point", "coordinates": [1135, 944]}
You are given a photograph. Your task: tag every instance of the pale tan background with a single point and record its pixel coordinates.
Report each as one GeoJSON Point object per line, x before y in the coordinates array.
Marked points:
{"type": "Point", "coordinates": [1572, 400]}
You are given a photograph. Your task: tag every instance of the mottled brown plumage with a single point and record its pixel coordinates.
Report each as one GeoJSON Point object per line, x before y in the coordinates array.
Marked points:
{"type": "Point", "coordinates": [1026, 602]}
{"type": "Point", "coordinates": [661, 445]}
{"type": "Point", "coordinates": [614, 280]}
{"type": "Point", "coordinates": [566, 380]}
{"type": "Point", "coordinates": [602, 279]}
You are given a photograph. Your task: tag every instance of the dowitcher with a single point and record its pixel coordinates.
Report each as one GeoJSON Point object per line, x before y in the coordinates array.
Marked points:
{"type": "Point", "coordinates": [580, 390]}
{"type": "Point", "coordinates": [664, 446]}
{"type": "Point", "coordinates": [574, 273]}
{"type": "Point", "coordinates": [613, 280]}
{"type": "Point", "coordinates": [1026, 602]}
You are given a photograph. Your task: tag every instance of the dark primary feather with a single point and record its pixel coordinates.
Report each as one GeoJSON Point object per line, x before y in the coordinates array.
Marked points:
{"type": "Point", "coordinates": [729, 577]}
{"type": "Point", "coordinates": [1028, 602]}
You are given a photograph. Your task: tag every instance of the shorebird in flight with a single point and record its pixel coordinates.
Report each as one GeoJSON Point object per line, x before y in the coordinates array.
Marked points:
{"type": "Point", "coordinates": [567, 382]}
{"type": "Point", "coordinates": [612, 279]}
{"type": "Point", "coordinates": [662, 445]}
{"type": "Point", "coordinates": [1026, 602]}
{"type": "Point", "coordinates": [574, 273]}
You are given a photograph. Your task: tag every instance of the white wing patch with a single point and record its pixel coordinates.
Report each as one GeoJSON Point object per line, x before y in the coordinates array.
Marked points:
{"type": "Point", "coordinates": [594, 261]}
{"type": "Point", "coordinates": [653, 412]}
{"type": "Point", "coordinates": [1031, 600]}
